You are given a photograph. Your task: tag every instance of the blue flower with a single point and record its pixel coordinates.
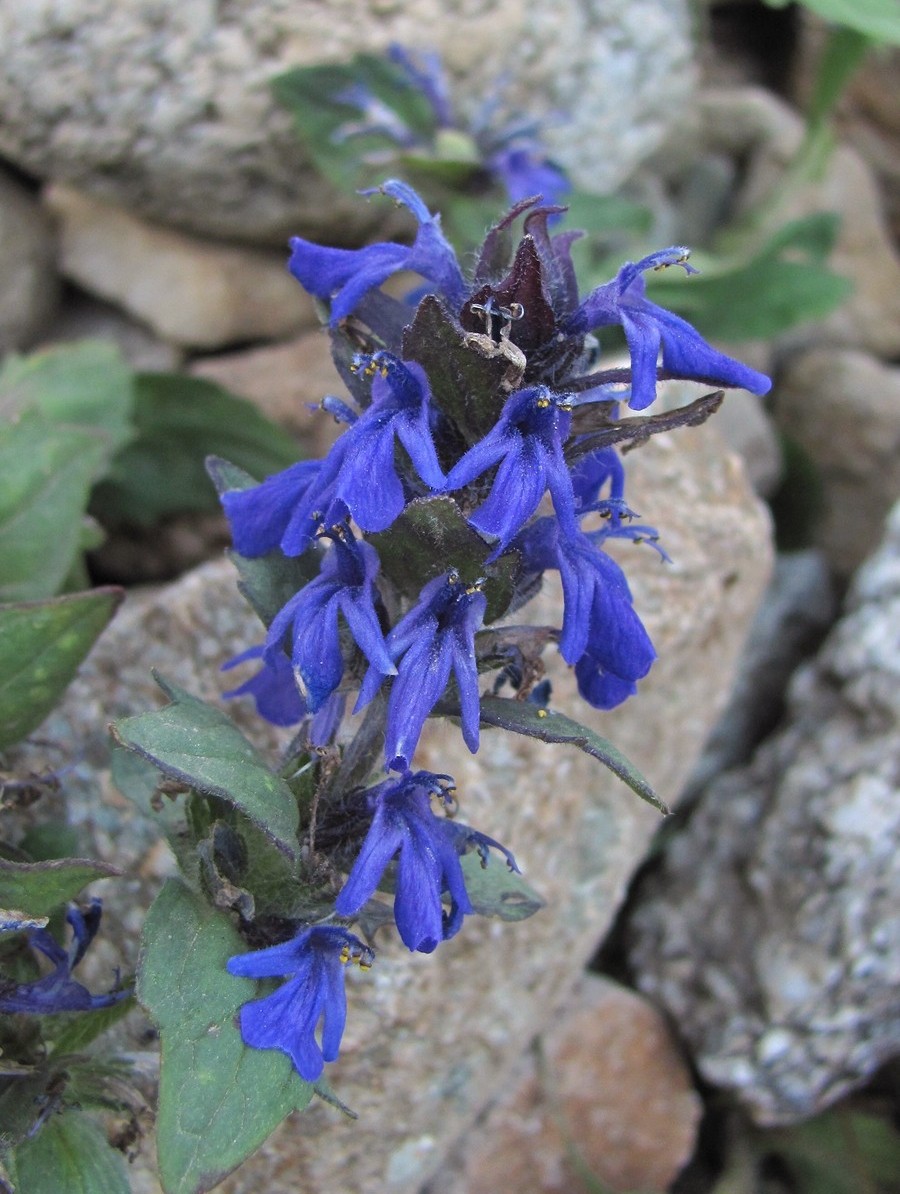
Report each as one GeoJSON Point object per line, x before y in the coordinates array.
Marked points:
{"type": "Point", "coordinates": [647, 326]}
{"type": "Point", "coordinates": [277, 698]}
{"type": "Point", "coordinates": [58, 991]}
{"type": "Point", "coordinates": [259, 517]}
{"type": "Point", "coordinates": [358, 477]}
{"type": "Point", "coordinates": [435, 637]}
{"type": "Point", "coordinates": [527, 443]}
{"type": "Point", "coordinates": [273, 688]}
{"type": "Point", "coordinates": [601, 633]}
{"type": "Point", "coordinates": [526, 170]}
{"type": "Point", "coordinates": [349, 274]}
{"type": "Point", "coordinates": [428, 849]}
{"type": "Point", "coordinates": [313, 962]}
{"type": "Point", "coordinates": [346, 585]}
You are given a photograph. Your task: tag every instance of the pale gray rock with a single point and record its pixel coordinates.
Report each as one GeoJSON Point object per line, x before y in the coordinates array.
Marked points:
{"type": "Point", "coordinates": [757, 127]}
{"type": "Point", "coordinates": [843, 409]}
{"type": "Point", "coordinates": [799, 607]}
{"type": "Point", "coordinates": [30, 290]}
{"type": "Point", "coordinates": [193, 293]}
{"type": "Point", "coordinates": [166, 109]}
{"type": "Point", "coordinates": [430, 1039]}
{"type": "Point", "coordinates": [770, 932]}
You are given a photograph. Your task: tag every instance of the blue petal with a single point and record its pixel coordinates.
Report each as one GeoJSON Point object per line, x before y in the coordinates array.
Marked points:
{"type": "Point", "coordinates": [260, 516]}
{"type": "Point", "coordinates": [273, 688]}
{"type": "Point", "coordinates": [420, 682]}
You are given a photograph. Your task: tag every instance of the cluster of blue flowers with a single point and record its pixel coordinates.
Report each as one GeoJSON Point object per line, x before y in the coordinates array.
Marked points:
{"type": "Point", "coordinates": [473, 399]}
{"type": "Point", "coordinates": [509, 150]}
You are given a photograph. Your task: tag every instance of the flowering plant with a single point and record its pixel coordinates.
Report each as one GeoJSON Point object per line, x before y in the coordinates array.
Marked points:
{"type": "Point", "coordinates": [386, 576]}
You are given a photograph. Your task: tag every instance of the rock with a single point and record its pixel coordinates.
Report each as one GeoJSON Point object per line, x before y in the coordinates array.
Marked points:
{"type": "Point", "coordinates": [193, 293]}
{"type": "Point", "coordinates": [755, 126]}
{"type": "Point", "coordinates": [770, 932]}
{"type": "Point", "coordinates": [286, 381]}
{"type": "Point", "coordinates": [843, 409]}
{"type": "Point", "coordinates": [169, 113]}
{"type": "Point", "coordinates": [430, 1039]}
{"type": "Point", "coordinates": [606, 1082]}
{"type": "Point", "coordinates": [797, 610]}
{"type": "Point", "coordinates": [27, 265]}
{"type": "Point", "coordinates": [747, 429]}
{"type": "Point", "coordinates": [86, 318]}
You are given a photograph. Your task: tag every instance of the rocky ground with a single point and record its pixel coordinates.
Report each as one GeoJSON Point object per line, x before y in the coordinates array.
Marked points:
{"type": "Point", "coordinates": [760, 939]}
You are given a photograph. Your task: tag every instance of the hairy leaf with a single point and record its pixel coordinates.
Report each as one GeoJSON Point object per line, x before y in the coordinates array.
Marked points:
{"type": "Point", "coordinates": [41, 645]}
{"type": "Point", "coordinates": [46, 473]}
{"type": "Point", "coordinates": [200, 746]}
{"type": "Point", "coordinates": [523, 718]}
{"type": "Point", "coordinates": [218, 1100]}
{"type": "Point", "coordinates": [70, 1153]}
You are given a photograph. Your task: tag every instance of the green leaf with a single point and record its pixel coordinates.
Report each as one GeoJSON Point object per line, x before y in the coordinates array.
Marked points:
{"type": "Point", "coordinates": [37, 888]}
{"type": "Point", "coordinates": [46, 473]}
{"type": "Point", "coordinates": [70, 1153]}
{"type": "Point", "coordinates": [432, 535]}
{"type": "Point", "coordinates": [323, 121]}
{"type": "Point", "coordinates": [495, 890]}
{"type": "Point", "coordinates": [41, 645]}
{"type": "Point", "coordinates": [878, 19]}
{"type": "Point", "coordinates": [218, 1101]}
{"type": "Point", "coordinates": [783, 284]}
{"type": "Point", "coordinates": [78, 1030]}
{"type": "Point", "coordinates": [87, 383]}
{"type": "Point", "coordinates": [200, 746]}
{"type": "Point", "coordinates": [269, 582]}
{"type": "Point", "coordinates": [521, 717]}
{"type": "Point", "coordinates": [181, 420]}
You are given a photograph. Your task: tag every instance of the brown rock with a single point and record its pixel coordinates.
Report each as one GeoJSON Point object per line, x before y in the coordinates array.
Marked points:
{"type": "Point", "coordinates": [605, 1096]}
{"type": "Point", "coordinates": [843, 408]}
{"type": "Point", "coordinates": [192, 292]}
{"type": "Point", "coordinates": [285, 381]}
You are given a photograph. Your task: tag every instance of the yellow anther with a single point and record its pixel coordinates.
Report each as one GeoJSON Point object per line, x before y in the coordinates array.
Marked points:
{"type": "Point", "coordinates": [542, 712]}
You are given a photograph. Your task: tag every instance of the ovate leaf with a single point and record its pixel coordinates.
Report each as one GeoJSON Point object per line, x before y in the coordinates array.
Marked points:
{"type": "Point", "coordinates": [201, 747]}
{"type": "Point", "coordinates": [41, 645]}
{"type": "Point", "coordinates": [521, 717]}
{"type": "Point", "coordinates": [179, 421]}
{"type": "Point", "coordinates": [46, 473]}
{"type": "Point", "coordinates": [70, 1153]}
{"type": "Point", "coordinates": [37, 888]}
{"type": "Point", "coordinates": [495, 890]}
{"type": "Point", "coordinates": [218, 1100]}
{"type": "Point", "coordinates": [87, 383]}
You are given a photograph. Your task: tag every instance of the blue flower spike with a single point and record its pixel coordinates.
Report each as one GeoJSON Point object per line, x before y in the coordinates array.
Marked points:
{"type": "Point", "coordinates": [428, 848]}
{"type": "Point", "coordinates": [647, 326]}
{"type": "Point", "coordinates": [314, 963]}
{"type": "Point", "coordinates": [58, 991]}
